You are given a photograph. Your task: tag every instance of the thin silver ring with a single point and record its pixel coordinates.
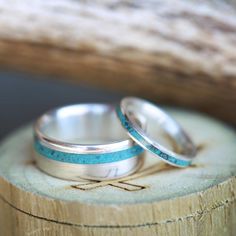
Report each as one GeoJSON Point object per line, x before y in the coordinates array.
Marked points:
{"type": "Point", "coordinates": [84, 141]}
{"type": "Point", "coordinates": [148, 139]}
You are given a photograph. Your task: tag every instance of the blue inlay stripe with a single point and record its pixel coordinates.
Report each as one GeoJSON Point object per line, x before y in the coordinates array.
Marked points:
{"type": "Point", "coordinates": [87, 158]}
{"type": "Point", "coordinates": [125, 123]}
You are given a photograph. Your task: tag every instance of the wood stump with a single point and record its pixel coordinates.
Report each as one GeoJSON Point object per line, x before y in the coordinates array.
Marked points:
{"type": "Point", "coordinates": [156, 200]}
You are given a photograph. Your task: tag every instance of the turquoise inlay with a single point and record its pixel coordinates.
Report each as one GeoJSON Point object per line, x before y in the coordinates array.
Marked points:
{"type": "Point", "coordinates": [87, 158]}
{"type": "Point", "coordinates": [149, 146]}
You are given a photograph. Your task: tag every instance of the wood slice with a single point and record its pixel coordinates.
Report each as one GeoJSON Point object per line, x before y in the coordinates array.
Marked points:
{"type": "Point", "coordinates": [177, 52]}
{"type": "Point", "coordinates": [156, 200]}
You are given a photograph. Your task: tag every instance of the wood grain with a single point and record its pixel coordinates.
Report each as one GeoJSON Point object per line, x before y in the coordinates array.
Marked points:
{"type": "Point", "coordinates": [158, 199]}
{"type": "Point", "coordinates": [174, 52]}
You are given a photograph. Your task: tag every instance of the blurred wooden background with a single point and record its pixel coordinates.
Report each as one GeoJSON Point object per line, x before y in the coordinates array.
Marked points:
{"type": "Point", "coordinates": [176, 52]}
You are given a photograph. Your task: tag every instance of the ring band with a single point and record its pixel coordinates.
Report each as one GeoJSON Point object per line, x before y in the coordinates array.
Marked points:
{"type": "Point", "coordinates": [77, 172]}
{"type": "Point", "coordinates": [131, 107]}
{"type": "Point", "coordinates": [84, 141]}
{"type": "Point", "coordinates": [90, 158]}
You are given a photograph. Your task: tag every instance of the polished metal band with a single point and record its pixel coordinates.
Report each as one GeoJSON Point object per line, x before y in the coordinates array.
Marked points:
{"type": "Point", "coordinates": [75, 172]}
{"type": "Point", "coordinates": [148, 139]}
{"type": "Point", "coordinates": [84, 141]}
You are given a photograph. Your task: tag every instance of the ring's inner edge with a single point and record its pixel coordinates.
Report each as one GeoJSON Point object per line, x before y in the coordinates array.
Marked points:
{"type": "Point", "coordinates": [160, 128]}
{"type": "Point", "coordinates": [92, 124]}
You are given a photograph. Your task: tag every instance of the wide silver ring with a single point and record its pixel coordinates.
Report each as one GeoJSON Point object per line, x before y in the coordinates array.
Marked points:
{"type": "Point", "coordinates": [131, 107]}
{"type": "Point", "coordinates": [84, 141]}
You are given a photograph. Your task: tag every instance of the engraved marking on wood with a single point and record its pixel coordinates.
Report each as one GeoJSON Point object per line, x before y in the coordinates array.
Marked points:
{"type": "Point", "coordinates": [123, 183]}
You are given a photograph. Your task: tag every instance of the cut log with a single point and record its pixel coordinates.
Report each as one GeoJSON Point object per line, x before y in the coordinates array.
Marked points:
{"type": "Point", "coordinates": [156, 200]}
{"type": "Point", "coordinates": [175, 52]}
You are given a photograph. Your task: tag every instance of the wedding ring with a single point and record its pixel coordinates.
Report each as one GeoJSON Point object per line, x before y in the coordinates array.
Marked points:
{"type": "Point", "coordinates": [84, 141]}
{"type": "Point", "coordinates": [131, 107]}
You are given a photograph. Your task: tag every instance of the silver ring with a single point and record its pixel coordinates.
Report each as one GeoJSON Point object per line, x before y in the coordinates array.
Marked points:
{"type": "Point", "coordinates": [77, 172]}
{"type": "Point", "coordinates": [84, 141]}
{"type": "Point", "coordinates": [131, 107]}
